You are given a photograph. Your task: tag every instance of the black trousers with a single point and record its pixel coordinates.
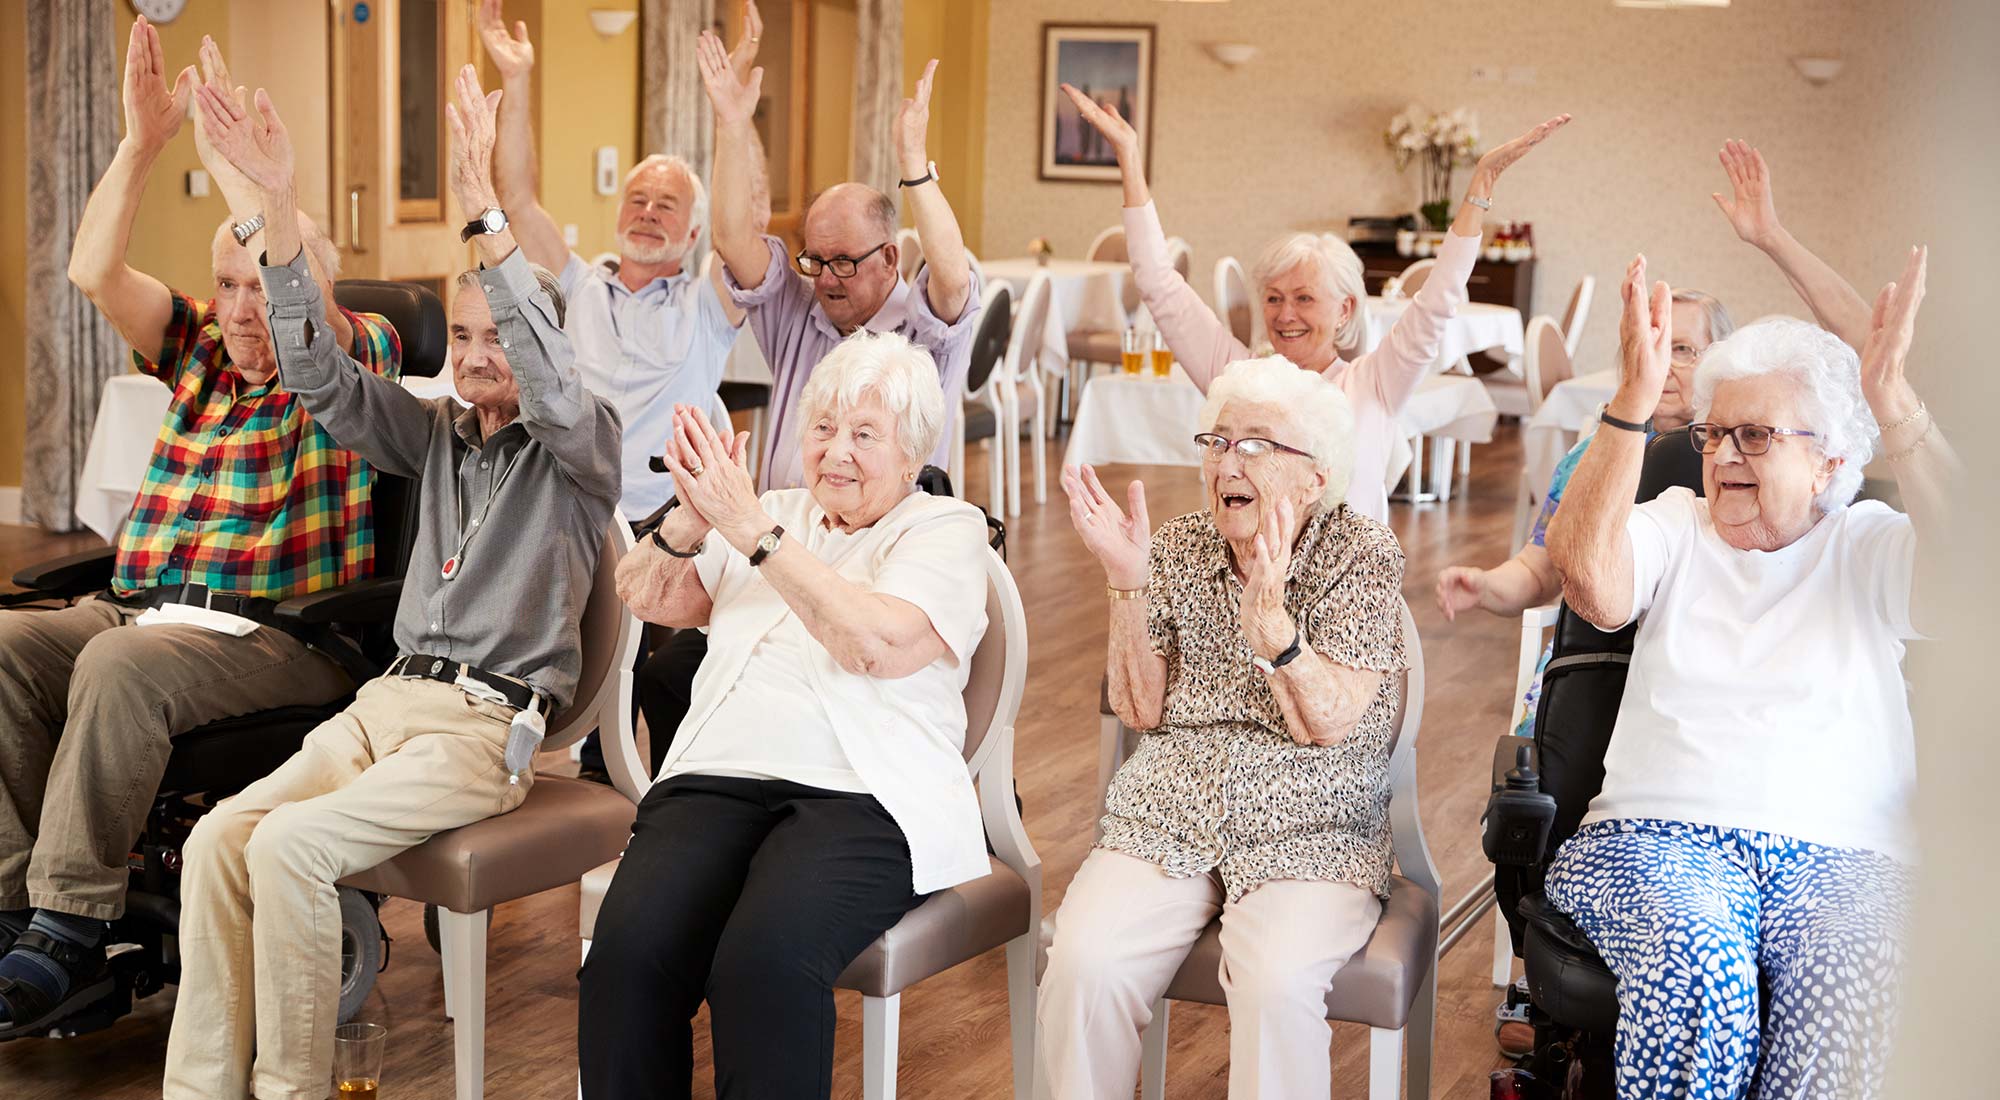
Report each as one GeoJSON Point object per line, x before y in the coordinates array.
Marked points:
{"type": "Point", "coordinates": [665, 686]}
{"type": "Point", "coordinates": [752, 895]}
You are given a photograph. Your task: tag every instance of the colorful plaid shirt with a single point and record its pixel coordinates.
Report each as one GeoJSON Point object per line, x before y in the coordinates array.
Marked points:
{"type": "Point", "coordinates": [245, 493]}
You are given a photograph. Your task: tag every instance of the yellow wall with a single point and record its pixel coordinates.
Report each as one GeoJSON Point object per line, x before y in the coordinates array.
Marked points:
{"type": "Point", "coordinates": [13, 234]}
{"type": "Point", "coordinates": [589, 97]}
{"type": "Point", "coordinates": [830, 98]}
{"type": "Point", "coordinates": [954, 32]}
{"type": "Point", "coordinates": [172, 236]}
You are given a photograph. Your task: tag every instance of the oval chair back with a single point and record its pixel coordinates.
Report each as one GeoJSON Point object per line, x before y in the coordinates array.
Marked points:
{"type": "Point", "coordinates": [1108, 246]}
{"type": "Point", "coordinates": [909, 253]}
{"type": "Point", "coordinates": [1577, 311]}
{"type": "Point", "coordinates": [609, 634]}
{"type": "Point", "coordinates": [989, 340]}
{"type": "Point", "coordinates": [1232, 301]}
{"type": "Point", "coordinates": [1546, 361]}
{"type": "Point", "coordinates": [1415, 276]}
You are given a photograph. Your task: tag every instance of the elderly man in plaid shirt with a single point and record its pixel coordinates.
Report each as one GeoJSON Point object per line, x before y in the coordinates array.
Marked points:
{"type": "Point", "coordinates": [246, 502]}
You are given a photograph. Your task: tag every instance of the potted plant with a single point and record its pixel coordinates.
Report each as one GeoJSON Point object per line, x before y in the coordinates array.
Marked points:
{"type": "Point", "coordinates": [1444, 142]}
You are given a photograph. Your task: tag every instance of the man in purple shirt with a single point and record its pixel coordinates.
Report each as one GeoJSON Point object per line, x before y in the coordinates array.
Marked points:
{"type": "Point", "coordinates": [846, 277]}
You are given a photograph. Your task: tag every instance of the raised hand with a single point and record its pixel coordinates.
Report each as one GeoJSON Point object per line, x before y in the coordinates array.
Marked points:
{"type": "Point", "coordinates": [1645, 340]}
{"type": "Point", "coordinates": [1502, 157]}
{"type": "Point", "coordinates": [1123, 138]}
{"type": "Point", "coordinates": [213, 71]}
{"type": "Point", "coordinates": [1890, 331]}
{"type": "Point", "coordinates": [913, 125]}
{"type": "Point", "coordinates": [1750, 209]}
{"type": "Point", "coordinates": [1121, 543]}
{"type": "Point", "coordinates": [743, 57]}
{"type": "Point", "coordinates": [734, 98]}
{"type": "Point", "coordinates": [472, 132]}
{"type": "Point", "coordinates": [1460, 588]}
{"type": "Point", "coordinates": [255, 142]}
{"type": "Point", "coordinates": [712, 476]}
{"type": "Point", "coordinates": [153, 112]}
{"type": "Point", "coordinates": [512, 54]}
{"type": "Point", "coordinates": [1266, 624]}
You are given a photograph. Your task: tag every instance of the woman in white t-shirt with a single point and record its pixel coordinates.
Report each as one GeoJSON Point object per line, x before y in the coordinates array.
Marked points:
{"type": "Point", "coordinates": [816, 791]}
{"type": "Point", "coordinates": [1750, 843]}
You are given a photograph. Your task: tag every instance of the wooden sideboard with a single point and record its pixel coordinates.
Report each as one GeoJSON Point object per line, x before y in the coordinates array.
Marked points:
{"type": "Point", "coordinates": [1500, 284]}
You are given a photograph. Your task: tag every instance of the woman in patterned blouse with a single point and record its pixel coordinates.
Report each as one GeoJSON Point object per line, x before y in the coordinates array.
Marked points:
{"type": "Point", "coordinates": [1256, 644]}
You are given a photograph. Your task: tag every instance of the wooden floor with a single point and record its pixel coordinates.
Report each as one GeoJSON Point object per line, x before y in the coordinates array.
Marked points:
{"type": "Point", "coordinates": [954, 1027]}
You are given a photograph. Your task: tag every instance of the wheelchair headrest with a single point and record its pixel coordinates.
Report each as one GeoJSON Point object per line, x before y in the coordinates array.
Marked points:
{"type": "Point", "coordinates": [1670, 461]}
{"type": "Point", "coordinates": [413, 311]}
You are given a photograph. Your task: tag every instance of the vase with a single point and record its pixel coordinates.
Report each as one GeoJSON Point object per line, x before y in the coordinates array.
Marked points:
{"type": "Point", "coordinates": [1436, 214]}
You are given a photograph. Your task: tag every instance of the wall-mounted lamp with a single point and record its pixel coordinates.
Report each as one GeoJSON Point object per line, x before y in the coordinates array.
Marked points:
{"type": "Point", "coordinates": [611, 22]}
{"type": "Point", "coordinates": [1231, 54]}
{"type": "Point", "coordinates": [1817, 70]}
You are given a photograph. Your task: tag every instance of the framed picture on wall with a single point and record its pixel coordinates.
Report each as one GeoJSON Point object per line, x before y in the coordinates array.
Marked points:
{"type": "Point", "coordinates": [1113, 64]}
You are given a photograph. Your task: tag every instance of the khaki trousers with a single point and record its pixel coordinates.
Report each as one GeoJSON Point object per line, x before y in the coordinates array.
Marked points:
{"type": "Point", "coordinates": [1123, 930]}
{"type": "Point", "coordinates": [260, 918]}
{"type": "Point", "coordinates": [89, 706]}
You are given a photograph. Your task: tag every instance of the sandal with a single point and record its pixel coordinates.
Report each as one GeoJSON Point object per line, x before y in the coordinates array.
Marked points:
{"type": "Point", "coordinates": [29, 1009]}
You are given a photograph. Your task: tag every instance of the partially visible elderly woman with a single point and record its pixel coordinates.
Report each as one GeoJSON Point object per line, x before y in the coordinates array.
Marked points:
{"type": "Point", "coordinates": [1750, 843]}
{"type": "Point", "coordinates": [816, 791]}
{"type": "Point", "coordinates": [1314, 302]}
{"type": "Point", "coordinates": [1256, 644]}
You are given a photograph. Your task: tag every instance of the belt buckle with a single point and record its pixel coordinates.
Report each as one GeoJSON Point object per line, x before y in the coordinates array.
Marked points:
{"type": "Point", "coordinates": [437, 665]}
{"type": "Point", "coordinates": [189, 589]}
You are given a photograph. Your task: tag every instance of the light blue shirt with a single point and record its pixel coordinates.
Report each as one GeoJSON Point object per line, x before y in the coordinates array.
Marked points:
{"type": "Point", "coordinates": [644, 351]}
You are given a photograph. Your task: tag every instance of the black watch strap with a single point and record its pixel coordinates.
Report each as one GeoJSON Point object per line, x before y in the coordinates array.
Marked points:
{"type": "Point", "coordinates": [774, 534]}
{"type": "Point", "coordinates": [929, 175]}
{"type": "Point", "coordinates": [1292, 651]}
{"type": "Point", "coordinates": [1627, 425]}
{"type": "Point", "coordinates": [662, 544]}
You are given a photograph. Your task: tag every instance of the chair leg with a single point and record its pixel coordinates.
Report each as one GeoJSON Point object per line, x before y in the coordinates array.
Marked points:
{"type": "Point", "coordinates": [880, 1020]}
{"type": "Point", "coordinates": [1041, 447]}
{"type": "Point", "coordinates": [444, 970]}
{"type": "Point", "coordinates": [1442, 450]}
{"type": "Point", "coordinates": [1385, 1064]}
{"type": "Point", "coordinates": [579, 1065]}
{"type": "Point", "coordinates": [1421, 1033]}
{"type": "Point", "coordinates": [1021, 1010]}
{"type": "Point", "coordinates": [463, 937]}
{"type": "Point", "coordinates": [1153, 1054]}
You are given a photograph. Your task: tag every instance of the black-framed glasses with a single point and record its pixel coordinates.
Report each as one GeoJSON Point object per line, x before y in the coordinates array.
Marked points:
{"type": "Point", "coordinates": [1750, 439]}
{"type": "Point", "coordinates": [1215, 446]}
{"type": "Point", "coordinates": [843, 267]}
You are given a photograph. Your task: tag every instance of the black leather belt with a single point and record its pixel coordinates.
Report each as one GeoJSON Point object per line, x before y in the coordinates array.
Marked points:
{"type": "Point", "coordinates": [424, 666]}
{"type": "Point", "coordinates": [255, 608]}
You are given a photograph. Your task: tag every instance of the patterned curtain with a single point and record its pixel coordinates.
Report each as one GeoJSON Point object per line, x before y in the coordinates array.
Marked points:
{"type": "Point", "coordinates": [673, 111]}
{"type": "Point", "coordinates": [878, 94]}
{"type": "Point", "coordinates": [72, 132]}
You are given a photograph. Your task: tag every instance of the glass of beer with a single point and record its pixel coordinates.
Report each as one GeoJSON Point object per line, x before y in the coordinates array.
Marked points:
{"type": "Point", "coordinates": [1163, 359]}
{"type": "Point", "coordinates": [1136, 345]}
{"type": "Point", "coordinates": [357, 1060]}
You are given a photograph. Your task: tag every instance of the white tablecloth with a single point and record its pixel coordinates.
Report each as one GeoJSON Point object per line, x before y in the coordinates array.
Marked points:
{"type": "Point", "coordinates": [1476, 327]}
{"type": "Point", "coordinates": [121, 444]}
{"type": "Point", "coordinates": [1553, 430]}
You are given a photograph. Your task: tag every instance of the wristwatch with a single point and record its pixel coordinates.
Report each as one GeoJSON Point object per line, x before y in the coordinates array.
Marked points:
{"type": "Point", "coordinates": [247, 228]}
{"type": "Point", "coordinates": [1281, 660]}
{"type": "Point", "coordinates": [490, 220]}
{"type": "Point", "coordinates": [1642, 427]}
{"type": "Point", "coordinates": [930, 173]}
{"type": "Point", "coordinates": [767, 543]}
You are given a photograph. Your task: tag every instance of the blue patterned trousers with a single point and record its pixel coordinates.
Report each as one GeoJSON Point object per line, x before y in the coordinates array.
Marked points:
{"type": "Point", "coordinates": [1749, 964]}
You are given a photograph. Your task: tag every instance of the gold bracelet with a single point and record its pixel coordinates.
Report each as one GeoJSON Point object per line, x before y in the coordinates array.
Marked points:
{"type": "Point", "coordinates": [1124, 593]}
{"type": "Point", "coordinates": [1929, 430]}
{"type": "Point", "coordinates": [1921, 410]}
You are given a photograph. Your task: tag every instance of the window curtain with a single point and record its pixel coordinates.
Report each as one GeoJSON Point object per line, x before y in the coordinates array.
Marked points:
{"type": "Point", "coordinates": [674, 113]}
{"type": "Point", "coordinates": [71, 349]}
{"type": "Point", "coordinates": [878, 94]}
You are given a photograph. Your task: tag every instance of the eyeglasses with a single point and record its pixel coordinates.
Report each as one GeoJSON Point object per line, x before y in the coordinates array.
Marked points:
{"type": "Point", "coordinates": [1750, 439]}
{"type": "Point", "coordinates": [843, 267]}
{"type": "Point", "coordinates": [1684, 355]}
{"type": "Point", "coordinates": [1215, 446]}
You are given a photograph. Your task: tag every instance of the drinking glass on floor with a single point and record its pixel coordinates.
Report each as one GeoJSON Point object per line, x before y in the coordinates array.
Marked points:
{"type": "Point", "coordinates": [357, 1060]}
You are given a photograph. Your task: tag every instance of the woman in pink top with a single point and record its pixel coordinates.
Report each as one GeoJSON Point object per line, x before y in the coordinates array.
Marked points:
{"type": "Point", "coordinates": [1312, 295]}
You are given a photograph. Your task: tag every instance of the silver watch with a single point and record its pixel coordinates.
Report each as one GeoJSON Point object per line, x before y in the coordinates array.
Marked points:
{"type": "Point", "coordinates": [247, 228]}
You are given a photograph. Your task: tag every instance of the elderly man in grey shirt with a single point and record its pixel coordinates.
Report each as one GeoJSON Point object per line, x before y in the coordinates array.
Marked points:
{"type": "Point", "coordinates": [517, 493]}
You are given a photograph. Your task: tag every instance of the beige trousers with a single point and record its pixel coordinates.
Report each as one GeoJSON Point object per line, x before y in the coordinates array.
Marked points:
{"type": "Point", "coordinates": [260, 919]}
{"type": "Point", "coordinates": [1123, 930]}
{"type": "Point", "coordinates": [89, 705]}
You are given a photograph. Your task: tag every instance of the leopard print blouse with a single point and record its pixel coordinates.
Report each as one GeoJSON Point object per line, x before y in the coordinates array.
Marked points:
{"type": "Point", "coordinates": [1220, 786]}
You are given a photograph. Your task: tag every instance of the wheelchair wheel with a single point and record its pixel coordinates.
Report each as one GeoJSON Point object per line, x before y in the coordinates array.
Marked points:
{"type": "Point", "coordinates": [360, 950]}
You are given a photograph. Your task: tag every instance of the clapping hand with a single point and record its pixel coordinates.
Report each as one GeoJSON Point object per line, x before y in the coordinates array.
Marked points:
{"type": "Point", "coordinates": [1121, 543]}
{"type": "Point", "coordinates": [913, 125]}
{"type": "Point", "coordinates": [1501, 157]}
{"type": "Point", "coordinates": [734, 97]}
{"type": "Point", "coordinates": [472, 133]}
{"type": "Point", "coordinates": [1116, 130]}
{"type": "Point", "coordinates": [1460, 588]}
{"type": "Point", "coordinates": [712, 477]}
{"type": "Point", "coordinates": [513, 55]}
{"type": "Point", "coordinates": [255, 143]}
{"type": "Point", "coordinates": [153, 113]}
{"type": "Point", "coordinates": [1750, 210]}
{"type": "Point", "coordinates": [1890, 331]}
{"type": "Point", "coordinates": [1645, 339]}
{"type": "Point", "coordinates": [213, 71]}
{"type": "Point", "coordinates": [1266, 624]}
{"type": "Point", "coordinates": [743, 56]}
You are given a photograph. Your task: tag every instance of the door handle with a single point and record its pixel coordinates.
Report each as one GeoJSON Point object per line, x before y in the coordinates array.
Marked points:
{"type": "Point", "coordinates": [354, 218]}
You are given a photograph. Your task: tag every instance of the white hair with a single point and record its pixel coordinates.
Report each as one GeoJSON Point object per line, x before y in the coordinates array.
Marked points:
{"type": "Point", "coordinates": [1828, 376]}
{"type": "Point", "coordinates": [1339, 273]}
{"type": "Point", "coordinates": [697, 205]}
{"type": "Point", "coordinates": [901, 374]}
{"type": "Point", "coordinates": [1315, 406]}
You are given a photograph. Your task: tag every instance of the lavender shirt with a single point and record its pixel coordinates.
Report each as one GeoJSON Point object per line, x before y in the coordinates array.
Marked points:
{"type": "Point", "coordinates": [795, 335]}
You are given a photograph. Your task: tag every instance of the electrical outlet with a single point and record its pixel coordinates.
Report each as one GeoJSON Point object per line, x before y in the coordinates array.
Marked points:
{"type": "Point", "coordinates": [606, 171]}
{"type": "Point", "coordinates": [569, 234]}
{"type": "Point", "coordinates": [197, 184]}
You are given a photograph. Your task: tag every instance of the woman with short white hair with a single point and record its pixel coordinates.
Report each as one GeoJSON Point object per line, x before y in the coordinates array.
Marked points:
{"type": "Point", "coordinates": [817, 789]}
{"type": "Point", "coordinates": [1745, 869]}
{"type": "Point", "coordinates": [1255, 644]}
{"type": "Point", "coordinates": [1314, 302]}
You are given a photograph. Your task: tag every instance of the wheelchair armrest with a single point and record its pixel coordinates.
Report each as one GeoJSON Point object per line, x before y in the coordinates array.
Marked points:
{"type": "Point", "coordinates": [1536, 910]}
{"type": "Point", "coordinates": [361, 602]}
{"type": "Point", "coordinates": [70, 575]}
{"type": "Point", "coordinates": [1519, 813]}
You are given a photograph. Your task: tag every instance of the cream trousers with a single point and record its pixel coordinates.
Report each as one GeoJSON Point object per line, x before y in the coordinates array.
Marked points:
{"type": "Point", "coordinates": [1122, 931]}
{"type": "Point", "coordinates": [260, 919]}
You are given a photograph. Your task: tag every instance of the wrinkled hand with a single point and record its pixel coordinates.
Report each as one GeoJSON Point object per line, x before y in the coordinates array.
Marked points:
{"type": "Point", "coordinates": [913, 125]}
{"type": "Point", "coordinates": [1267, 626]}
{"type": "Point", "coordinates": [1750, 210]}
{"type": "Point", "coordinates": [472, 132]}
{"type": "Point", "coordinates": [213, 71]}
{"type": "Point", "coordinates": [254, 142]}
{"type": "Point", "coordinates": [1122, 544]}
{"type": "Point", "coordinates": [1502, 157]}
{"type": "Point", "coordinates": [734, 98]}
{"type": "Point", "coordinates": [1123, 138]}
{"type": "Point", "coordinates": [1460, 588]}
{"type": "Point", "coordinates": [1887, 348]}
{"type": "Point", "coordinates": [743, 57]}
{"type": "Point", "coordinates": [153, 112]}
{"type": "Point", "coordinates": [513, 55]}
{"type": "Point", "coordinates": [712, 476]}
{"type": "Point", "coordinates": [1645, 340]}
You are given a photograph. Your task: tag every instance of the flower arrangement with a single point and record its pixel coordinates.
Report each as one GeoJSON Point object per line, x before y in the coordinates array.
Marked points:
{"type": "Point", "coordinates": [1041, 250]}
{"type": "Point", "coordinates": [1445, 141]}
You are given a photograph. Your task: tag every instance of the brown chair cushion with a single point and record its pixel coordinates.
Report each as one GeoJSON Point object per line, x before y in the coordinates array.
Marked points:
{"type": "Point", "coordinates": [1377, 985]}
{"type": "Point", "coordinates": [562, 829]}
{"type": "Point", "coordinates": [951, 926]}
{"type": "Point", "coordinates": [1089, 346]}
